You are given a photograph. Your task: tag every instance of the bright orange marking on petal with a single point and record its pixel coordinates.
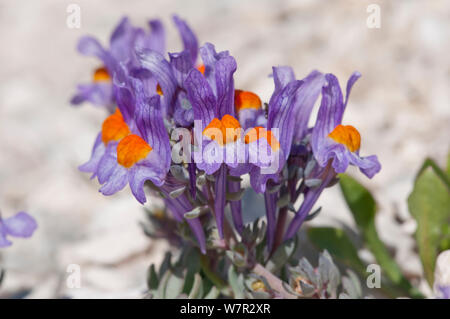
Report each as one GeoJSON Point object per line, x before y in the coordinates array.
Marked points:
{"type": "Point", "coordinates": [131, 150]}
{"type": "Point", "coordinates": [101, 75]}
{"type": "Point", "coordinates": [258, 132]}
{"type": "Point", "coordinates": [159, 90]}
{"type": "Point", "coordinates": [114, 128]}
{"type": "Point", "coordinates": [219, 127]}
{"type": "Point", "coordinates": [230, 124]}
{"type": "Point", "coordinates": [201, 68]}
{"type": "Point", "coordinates": [246, 100]}
{"type": "Point", "coordinates": [346, 135]}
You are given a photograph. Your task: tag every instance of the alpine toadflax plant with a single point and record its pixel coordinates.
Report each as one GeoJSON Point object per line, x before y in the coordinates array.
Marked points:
{"type": "Point", "coordinates": [177, 126]}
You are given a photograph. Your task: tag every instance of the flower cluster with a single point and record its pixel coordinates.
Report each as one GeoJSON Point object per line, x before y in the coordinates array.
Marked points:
{"type": "Point", "coordinates": [178, 125]}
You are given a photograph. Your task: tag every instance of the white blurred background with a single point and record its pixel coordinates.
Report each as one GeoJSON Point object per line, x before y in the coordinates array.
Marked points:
{"type": "Point", "coordinates": [400, 106]}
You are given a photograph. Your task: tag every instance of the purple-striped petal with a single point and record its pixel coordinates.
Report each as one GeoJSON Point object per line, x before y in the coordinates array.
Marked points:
{"type": "Point", "coordinates": [99, 94]}
{"type": "Point", "coordinates": [329, 116]}
{"type": "Point", "coordinates": [162, 72]}
{"type": "Point", "coordinates": [116, 181]}
{"type": "Point", "coordinates": [281, 115]}
{"type": "Point", "coordinates": [156, 41]}
{"type": "Point", "coordinates": [19, 225]}
{"type": "Point", "coordinates": [306, 97]}
{"type": "Point", "coordinates": [137, 176]}
{"type": "Point", "coordinates": [98, 150]}
{"type": "Point", "coordinates": [181, 64]}
{"type": "Point", "coordinates": [251, 117]}
{"type": "Point", "coordinates": [201, 97]}
{"type": "Point", "coordinates": [225, 69]}
{"type": "Point", "coordinates": [90, 46]}
{"type": "Point", "coordinates": [122, 40]}
{"type": "Point", "coordinates": [209, 58]}
{"type": "Point", "coordinates": [353, 78]}
{"type": "Point", "coordinates": [282, 76]}
{"type": "Point", "coordinates": [188, 37]}
{"type": "Point", "coordinates": [107, 163]}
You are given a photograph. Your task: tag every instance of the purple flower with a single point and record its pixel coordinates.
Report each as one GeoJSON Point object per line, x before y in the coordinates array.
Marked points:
{"type": "Point", "coordinates": [233, 134]}
{"type": "Point", "coordinates": [212, 98]}
{"type": "Point", "coordinates": [332, 141]}
{"type": "Point", "coordinates": [114, 128]}
{"type": "Point", "coordinates": [19, 225]}
{"type": "Point", "coordinates": [169, 76]}
{"type": "Point", "coordinates": [124, 42]}
{"type": "Point", "coordinates": [124, 39]}
{"type": "Point", "coordinates": [334, 147]}
{"type": "Point", "coordinates": [217, 131]}
{"type": "Point", "coordinates": [138, 66]}
{"type": "Point", "coordinates": [142, 155]}
{"type": "Point", "coordinates": [289, 110]}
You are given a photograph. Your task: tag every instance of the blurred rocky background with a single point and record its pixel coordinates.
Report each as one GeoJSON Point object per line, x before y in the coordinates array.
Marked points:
{"type": "Point", "coordinates": [400, 106]}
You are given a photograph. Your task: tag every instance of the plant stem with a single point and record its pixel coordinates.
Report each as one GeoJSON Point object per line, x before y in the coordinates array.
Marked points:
{"type": "Point", "coordinates": [279, 233]}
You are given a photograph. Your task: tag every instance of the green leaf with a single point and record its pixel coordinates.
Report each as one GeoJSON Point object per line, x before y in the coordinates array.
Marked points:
{"type": "Point", "coordinates": [444, 176]}
{"type": "Point", "coordinates": [337, 243]}
{"type": "Point", "coordinates": [210, 274]}
{"type": "Point", "coordinates": [174, 285]}
{"type": "Point", "coordinates": [165, 265]}
{"type": "Point", "coordinates": [213, 293]}
{"type": "Point", "coordinates": [281, 256]}
{"type": "Point", "coordinates": [190, 261]}
{"type": "Point", "coordinates": [193, 213]}
{"type": "Point", "coordinates": [178, 192]}
{"type": "Point", "coordinates": [363, 207]}
{"type": "Point", "coordinates": [236, 282]}
{"type": "Point", "coordinates": [152, 278]}
{"type": "Point", "coordinates": [429, 204]}
{"type": "Point", "coordinates": [196, 291]}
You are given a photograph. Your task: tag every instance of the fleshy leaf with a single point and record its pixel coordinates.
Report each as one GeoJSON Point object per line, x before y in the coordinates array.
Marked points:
{"type": "Point", "coordinates": [338, 244]}
{"type": "Point", "coordinates": [429, 204]}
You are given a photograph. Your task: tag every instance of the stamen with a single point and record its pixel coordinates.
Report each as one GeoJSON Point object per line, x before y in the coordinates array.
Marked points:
{"type": "Point", "coordinates": [346, 135]}
{"type": "Point", "coordinates": [101, 75]}
{"type": "Point", "coordinates": [114, 128]}
{"type": "Point", "coordinates": [258, 132]}
{"type": "Point", "coordinates": [131, 150]}
{"type": "Point", "coordinates": [246, 100]}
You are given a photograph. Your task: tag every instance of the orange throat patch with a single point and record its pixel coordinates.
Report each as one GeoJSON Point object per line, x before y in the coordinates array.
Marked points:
{"type": "Point", "coordinates": [101, 75]}
{"type": "Point", "coordinates": [259, 132]}
{"type": "Point", "coordinates": [226, 130]}
{"type": "Point", "coordinates": [114, 128]}
{"type": "Point", "coordinates": [246, 100]}
{"type": "Point", "coordinates": [131, 150]}
{"type": "Point", "coordinates": [346, 135]}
